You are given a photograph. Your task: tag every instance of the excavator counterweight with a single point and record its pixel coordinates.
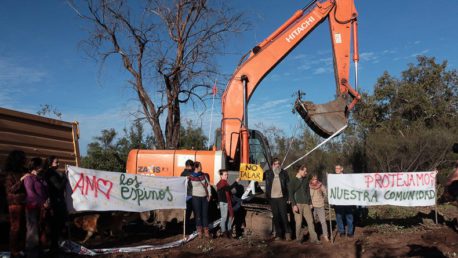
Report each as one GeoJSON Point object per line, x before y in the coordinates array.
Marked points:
{"type": "Point", "coordinates": [323, 119]}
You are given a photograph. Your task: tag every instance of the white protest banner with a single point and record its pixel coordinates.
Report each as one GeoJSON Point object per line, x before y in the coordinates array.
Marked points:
{"type": "Point", "coordinates": [399, 189]}
{"type": "Point", "coordinates": [95, 190]}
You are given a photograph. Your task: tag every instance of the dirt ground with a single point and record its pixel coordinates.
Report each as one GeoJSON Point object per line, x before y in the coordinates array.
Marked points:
{"type": "Point", "coordinates": [388, 232]}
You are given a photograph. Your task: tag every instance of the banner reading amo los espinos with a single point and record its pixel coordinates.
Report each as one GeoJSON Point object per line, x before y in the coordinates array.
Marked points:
{"type": "Point", "coordinates": [95, 190]}
{"type": "Point", "coordinates": [400, 189]}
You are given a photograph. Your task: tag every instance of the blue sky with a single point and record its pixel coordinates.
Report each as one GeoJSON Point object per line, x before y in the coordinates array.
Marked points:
{"type": "Point", "coordinates": [41, 63]}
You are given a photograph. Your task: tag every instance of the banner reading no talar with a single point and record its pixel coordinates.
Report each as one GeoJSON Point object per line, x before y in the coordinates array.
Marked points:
{"type": "Point", "coordinates": [95, 190]}
{"type": "Point", "coordinates": [399, 189]}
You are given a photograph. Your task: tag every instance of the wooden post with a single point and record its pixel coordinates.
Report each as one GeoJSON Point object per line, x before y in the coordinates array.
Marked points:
{"type": "Point", "coordinates": [435, 204]}
{"type": "Point", "coordinates": [330, 214]}
{"type": "Point", "coordinates": [330, 224]}
{"type": "Point", "coordinates": [184, 224]}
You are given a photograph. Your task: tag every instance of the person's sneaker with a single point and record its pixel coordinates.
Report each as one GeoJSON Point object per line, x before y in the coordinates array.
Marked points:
{"type": "Point", "coordinates": [288, 236]}
{"type": "Point", "coordinates": [277, 238]}
{"type": "Point", "coordinates": [350, 235]}
{"type": "Point", "coordinates": [316, 242]}
{"type": "Point", "coordinates": [341, 234]}
{"type": "Point", "coordinates": [326, 239]}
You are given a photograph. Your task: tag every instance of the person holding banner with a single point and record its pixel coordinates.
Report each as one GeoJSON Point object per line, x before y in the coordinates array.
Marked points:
{"type": "Point", "coordinates": [299, 195]}
{"type": "Point", "coordinates": [318, 195]}
{"type": "Point", "coordinates": [201, 195]}
{"type": "Point", "coordinates": [277, 181]}
{"type": "Point", "coordinates": [344, 211]}
{"type": "Point", "coordinates": [452, 185]}
{"type": "Point", "coordinates": [37, 202]}
{"type": "Point", "coordinates": [57, 182]}
{"type": "Point", "coordinates": [189, 168]}
{"type": "Point", "coordinates": [225, 202]}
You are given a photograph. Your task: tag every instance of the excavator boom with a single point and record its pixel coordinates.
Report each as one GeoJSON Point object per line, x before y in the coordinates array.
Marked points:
{"type": "Point", "coordinates": [324, 119]}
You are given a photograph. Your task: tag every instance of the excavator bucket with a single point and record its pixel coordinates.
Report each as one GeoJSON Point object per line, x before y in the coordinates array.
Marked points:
{"type": "Point", "coordinates": [323, 119]}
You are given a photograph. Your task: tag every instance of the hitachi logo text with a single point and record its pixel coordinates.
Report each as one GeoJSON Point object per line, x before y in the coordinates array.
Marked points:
{"type": "Point", "coordinates": [303, 26]}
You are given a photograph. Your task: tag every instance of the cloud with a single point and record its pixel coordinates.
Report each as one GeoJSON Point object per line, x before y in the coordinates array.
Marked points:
{"type": "Point", "coordinates": [368, 56]}
{"type": "Point", "coordinates": [304, 67]}
{"type": "Point", "coordinates": [299, 57]}
{"type": "Point", "coordinates": [388, 51]}
{"type": "Point", "coordinates": [322, 70]}
{"type": "Point", "coordinates": [319, 65]}
{"type": "Point", "coordinates": [12, 73]}
{"type": "Point", "coordinates": [326, 61]}
{"type": "Point", "coordinates": [420, 53]}
{"type": "Point", "coordinates": [14, 79]}
{"type": "Point", "coordinates": [267, 106]}
{"type": "Point", "coordinates": [91, 125]}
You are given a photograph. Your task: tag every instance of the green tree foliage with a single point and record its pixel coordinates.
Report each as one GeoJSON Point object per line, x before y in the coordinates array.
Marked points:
{"type": "Point", "coordinates": [107, 152]}
{"type": "Point", "coordinates": [425, 96]}
{"type": "Point", "coordinates": [292, 148]}
{"type": "Point", "coordinates": [192, 137]}
{"type": "Point", "coordinates": [49, 111]}
{"type": "Point", "coordinates": [409, 124]}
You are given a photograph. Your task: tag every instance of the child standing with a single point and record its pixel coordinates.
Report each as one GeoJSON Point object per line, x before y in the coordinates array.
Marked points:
{"type": "Point", "coordinates": [318, 194]}
{"type": "Point", "coordinates": [225, 202]}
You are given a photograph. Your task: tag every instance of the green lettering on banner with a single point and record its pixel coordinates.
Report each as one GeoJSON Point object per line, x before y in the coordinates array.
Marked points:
{"type": "Point", "coordinates": [130, 190]}
{"type": "Point", "coordinates": [345, 194]}
{"type": "Point", "coordinates": [125, 189]}
{"type": "Point", "coordinates": [409, 195]}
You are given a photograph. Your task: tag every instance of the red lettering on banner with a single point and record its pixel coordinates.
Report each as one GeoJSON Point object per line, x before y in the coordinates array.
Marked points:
{"type": "Point", "coordinates": [399, 182]}
{"type": "Point", "coordinates": [419, 177]}
{"type": "Point", "coordinates": [400, 179]}
{"type": "Point", "coordinates": [86, 184]}
{"type": "Point", "coordinates": [387, 180]}
{"type": "Point", "coordinates": [378, 180]}
{"type": "Point", "coordinates": [368, 179]}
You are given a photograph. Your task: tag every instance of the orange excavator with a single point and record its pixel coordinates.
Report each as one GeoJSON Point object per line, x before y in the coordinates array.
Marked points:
{"type": "Point", "coordinates": [236, 143]}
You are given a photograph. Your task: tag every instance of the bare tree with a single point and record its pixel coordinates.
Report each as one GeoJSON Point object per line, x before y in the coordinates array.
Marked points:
{"type": "Point", "coordinates": [168, 48]}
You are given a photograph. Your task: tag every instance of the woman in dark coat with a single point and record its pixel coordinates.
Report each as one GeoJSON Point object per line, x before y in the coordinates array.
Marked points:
{"type": "Point", "coordinates": [15, 174]}
{"type": "Point", "coordinates": [57, 182]}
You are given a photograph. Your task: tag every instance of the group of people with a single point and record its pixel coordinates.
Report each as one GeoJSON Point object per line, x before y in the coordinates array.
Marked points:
{"type": "Point", "coordinates": [199, 194]}
{"type": "Point", "coordinates": [306, 195]}
{"type": "Point", "coordinates": [307, 199]}
{"type": "Point", "coordinates": [36, 203]}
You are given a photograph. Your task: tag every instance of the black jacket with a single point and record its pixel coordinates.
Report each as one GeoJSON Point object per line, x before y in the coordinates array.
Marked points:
{"type": "Point", "coordinates": [186, 173]}
{"type": "Point", "coordinates": [284, 180]}
{"type": "Point", "coordinates": [57, 183]}
{"type": "Point", "coordinates": [222, 192]}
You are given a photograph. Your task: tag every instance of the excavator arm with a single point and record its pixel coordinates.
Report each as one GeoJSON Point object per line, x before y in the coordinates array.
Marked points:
{"type": "Point", "coordinates": [324, 119]}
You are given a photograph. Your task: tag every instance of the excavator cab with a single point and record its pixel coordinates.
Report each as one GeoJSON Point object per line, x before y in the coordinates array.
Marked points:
{"type": "Point", "coordinates": [259, 150]}
{"type": "Point", "coordinates": [323, 119]}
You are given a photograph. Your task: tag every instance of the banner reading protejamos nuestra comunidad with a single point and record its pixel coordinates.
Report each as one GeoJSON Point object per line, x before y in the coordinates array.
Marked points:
{"type": "Point", "coordinates": [399, 188]}
{"type": "Point", "coordinates": [95, 190]}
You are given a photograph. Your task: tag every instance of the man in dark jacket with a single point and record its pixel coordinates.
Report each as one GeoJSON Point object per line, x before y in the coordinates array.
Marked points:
{"type": "Point", "coordinates": [277, 193]}
{"type": "Point", "coordinates": [299, 195]}
{"type": "Point", "coordinates": [187, 172]}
